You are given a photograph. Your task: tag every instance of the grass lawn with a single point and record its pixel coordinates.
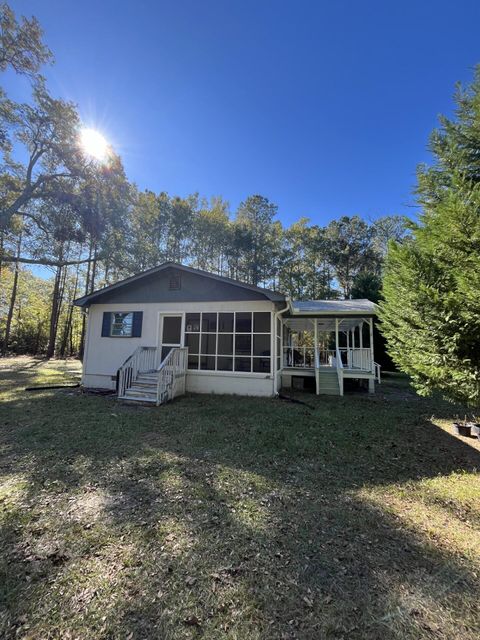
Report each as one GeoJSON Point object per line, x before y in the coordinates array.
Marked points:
{"type": "Point", "coordinates": [228, 517]}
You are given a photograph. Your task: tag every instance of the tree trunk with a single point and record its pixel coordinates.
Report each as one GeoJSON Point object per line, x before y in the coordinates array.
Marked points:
{"type": "Point", "coordinates": [52, 334]}
{"type": "Point", "coordinates": [81, 348]}
{"type": "Point", "coordinates": [94, 268]}
{"type": "Point", "coordinates": [13, 298]}
{"type": "Point", "coordinates": [68, 321]}
{"type": "Point", "coordinates": [2, 244]}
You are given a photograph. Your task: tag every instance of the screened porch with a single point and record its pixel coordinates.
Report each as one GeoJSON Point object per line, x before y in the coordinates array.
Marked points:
{"type": "Point", "coordinates": [318, 342]}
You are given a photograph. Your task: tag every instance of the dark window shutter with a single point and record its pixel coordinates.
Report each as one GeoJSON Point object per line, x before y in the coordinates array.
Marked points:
{"type": "Point", "coordinates": [137, 324]}
{"type": "Point", "coordinates": [106, 324]}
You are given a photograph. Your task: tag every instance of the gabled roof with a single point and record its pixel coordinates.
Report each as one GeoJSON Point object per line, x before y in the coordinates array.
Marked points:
{"type": "Point", "coordinates": [333, 307]}
{"type": "Point", "coordinates": [274, 296]}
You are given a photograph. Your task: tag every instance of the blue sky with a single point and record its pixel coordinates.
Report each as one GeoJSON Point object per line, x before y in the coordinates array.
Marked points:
{"type": "Point", "coordinates": [323, 107]}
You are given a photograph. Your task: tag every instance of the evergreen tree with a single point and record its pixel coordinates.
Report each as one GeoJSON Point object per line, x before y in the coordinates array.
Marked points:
{"type": "Point", "coordinates": [258, 236]}
{"type": "Point", "coordinates": [350, 249]}
{"type": "Point", "coordinates": [431, 310]}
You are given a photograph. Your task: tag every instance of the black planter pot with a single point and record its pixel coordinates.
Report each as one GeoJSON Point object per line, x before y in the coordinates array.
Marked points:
{"type": "Point", "coordinates": [464, 430]}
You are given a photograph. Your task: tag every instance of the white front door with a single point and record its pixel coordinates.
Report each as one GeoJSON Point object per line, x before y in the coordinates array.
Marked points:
{"type": "Point", "coordinates": [170, 333]}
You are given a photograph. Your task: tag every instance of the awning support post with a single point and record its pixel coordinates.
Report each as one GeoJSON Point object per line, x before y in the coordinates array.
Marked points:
{"type": "Point", "coordinates": [337, 344]}
{"type": "Point", "coordinates": [370, 322]}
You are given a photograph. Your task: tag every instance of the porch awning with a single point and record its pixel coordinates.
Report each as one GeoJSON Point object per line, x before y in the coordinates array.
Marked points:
{"type": "Point", "coordinates": [351, 314]}
{"type": "Point", "coordinates": [337, 308]}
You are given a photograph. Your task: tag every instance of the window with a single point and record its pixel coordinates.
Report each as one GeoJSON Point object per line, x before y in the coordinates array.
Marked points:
{"type": "Point", "coordinates": [225, 344]}
{"type": "Point", "coordinates": [237, 341]}
{"type": "Point", "coordinates": [243, 322]}
{"type": "Point", "coordinates": [192, 322]}
{"type": "Point", "coordinates": [122, 325]}
{"type": "Point", "coordinates": [225, 323]}
{"type": "Point", "coordinates": [243, 345]}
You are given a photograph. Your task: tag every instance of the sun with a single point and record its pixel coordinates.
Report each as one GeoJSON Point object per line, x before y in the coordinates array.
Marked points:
{"type": "Point", "coordinates": [94, 144]}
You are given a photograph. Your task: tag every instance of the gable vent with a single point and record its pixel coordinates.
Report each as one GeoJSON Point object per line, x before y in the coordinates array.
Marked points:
{"type": "Point", "coordinates": [175, 282]}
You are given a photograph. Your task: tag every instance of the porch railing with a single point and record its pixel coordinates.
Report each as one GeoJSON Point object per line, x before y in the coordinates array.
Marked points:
{"type": "Point", "coordinates": [306, 358]}
{"type": "Point", "coordinates": [356, 358]}
{"type": "Point", "coordinates": [143, 359]}
{"type": "Point", "coordinates": [302, 357]}
{"type": "Point", "coordinates": [171, 375]}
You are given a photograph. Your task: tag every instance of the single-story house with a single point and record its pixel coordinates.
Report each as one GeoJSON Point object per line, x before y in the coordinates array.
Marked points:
{"type": "Point", "coordinates": [174, 328]}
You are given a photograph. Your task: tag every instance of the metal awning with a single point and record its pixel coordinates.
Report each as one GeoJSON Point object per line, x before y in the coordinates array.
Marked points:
{"type": "Point", "coordinates": [350, 314]}
{"type": "Point", "coordinates": [362, 306]}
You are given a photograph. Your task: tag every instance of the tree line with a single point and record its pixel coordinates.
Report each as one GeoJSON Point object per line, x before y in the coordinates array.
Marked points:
{"type": "Point", "coordinates": [89, 226]}
{"type": "Point", "coordinates": [342, 259]}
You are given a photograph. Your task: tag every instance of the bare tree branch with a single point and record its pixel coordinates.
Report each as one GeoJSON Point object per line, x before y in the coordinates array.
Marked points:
{"type": "Point", "coordinates": [45, 261]}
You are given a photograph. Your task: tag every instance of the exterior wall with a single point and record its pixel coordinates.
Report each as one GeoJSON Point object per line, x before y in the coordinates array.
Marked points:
{"type": "Point", "coordinates": [104, 355]}
{"type": "Point", "coordinates": [194, 287]}
{"type": "Point", "coordinates": [248, 384]}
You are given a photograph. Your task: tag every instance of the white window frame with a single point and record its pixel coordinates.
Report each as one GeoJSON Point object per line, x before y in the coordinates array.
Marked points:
{"type": "Point", "coordinates": [216, 355]}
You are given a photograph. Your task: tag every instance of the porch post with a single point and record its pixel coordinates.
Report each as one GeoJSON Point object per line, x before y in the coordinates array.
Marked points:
{"type": "Point", "coordinates": [370, 322]}
{"type": "Point", "coordinates": [361, 335]}
{"type": "Point", "coordinates": [337, 345]}
{"type": "Point", "coordinates": [315, 342]}
{"type": "Point", "coordinates": [353, 338]}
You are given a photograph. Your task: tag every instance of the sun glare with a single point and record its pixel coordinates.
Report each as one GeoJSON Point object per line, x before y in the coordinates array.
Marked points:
{"type": "Point", "coordinates": [94, 144]}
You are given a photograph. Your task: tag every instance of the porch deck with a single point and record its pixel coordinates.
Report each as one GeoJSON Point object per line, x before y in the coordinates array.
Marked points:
{"type": "Point", "coordinates": [310, 371]}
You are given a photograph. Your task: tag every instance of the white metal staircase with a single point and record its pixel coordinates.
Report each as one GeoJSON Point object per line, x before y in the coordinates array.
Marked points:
{"type": "Point", "coordinates": [142, 379]}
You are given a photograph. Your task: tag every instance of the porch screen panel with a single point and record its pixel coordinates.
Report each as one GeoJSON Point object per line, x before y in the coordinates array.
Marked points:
{"type": "Point", "coordinates": [235, 341]}
{"type": "Point", "coordinates": [192, 339]}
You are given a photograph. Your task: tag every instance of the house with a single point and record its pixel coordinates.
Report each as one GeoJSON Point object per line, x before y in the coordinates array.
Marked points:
{"type": "Point", "coordinates": [173, 329]}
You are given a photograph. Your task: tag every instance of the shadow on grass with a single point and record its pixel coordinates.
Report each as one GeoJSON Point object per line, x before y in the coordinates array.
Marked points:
{"type": "Point", "coordinates": [226, 517]}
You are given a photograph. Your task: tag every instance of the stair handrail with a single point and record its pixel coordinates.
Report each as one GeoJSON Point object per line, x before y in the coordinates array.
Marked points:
{"type": "Point", "coordinates": [339, 367]}
{"type": "Point", "coordinates": [171, 369]}
{"type": "Point", "coordinates": [137, 361]}
{"type": "Point", "coordinates": [125, 372]}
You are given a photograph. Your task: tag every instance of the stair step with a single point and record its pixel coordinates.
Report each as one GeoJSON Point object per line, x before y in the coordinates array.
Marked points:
{"type": "Point", "coordinates": [139, 391]}
{"type": "Point", "coordinates": [137, 399]}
